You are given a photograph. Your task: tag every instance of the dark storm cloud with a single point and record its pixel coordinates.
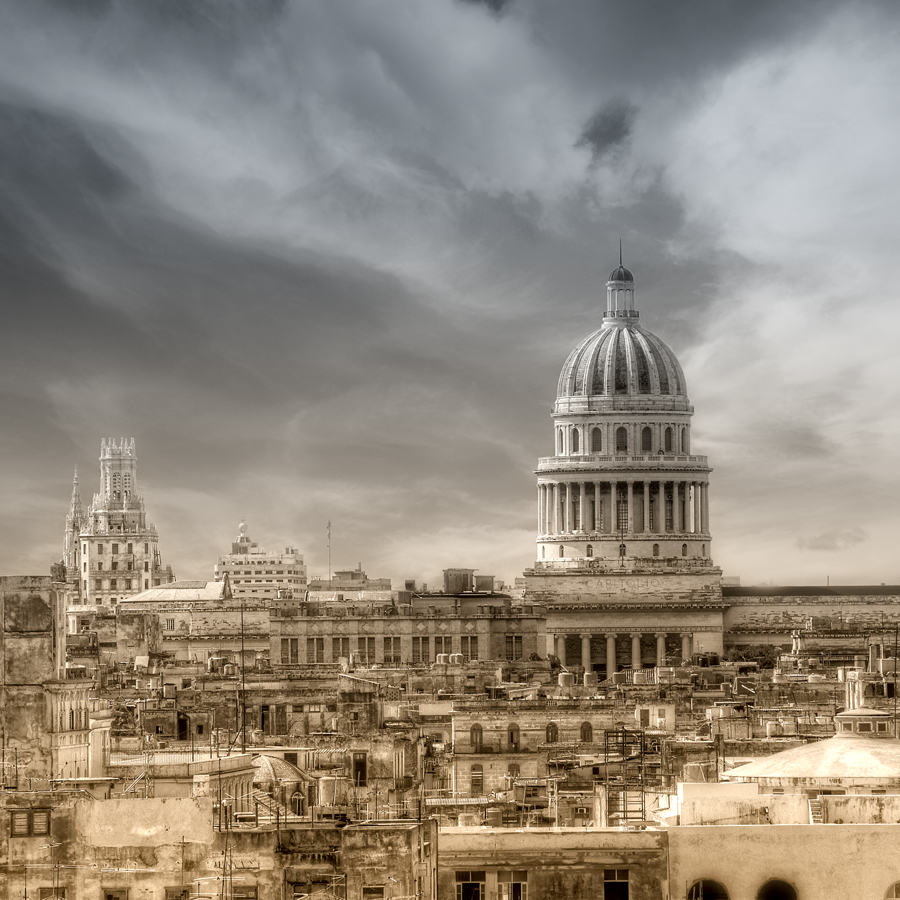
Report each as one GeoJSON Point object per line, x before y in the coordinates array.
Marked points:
{"type": "Point", "coordinates": [607, 128]}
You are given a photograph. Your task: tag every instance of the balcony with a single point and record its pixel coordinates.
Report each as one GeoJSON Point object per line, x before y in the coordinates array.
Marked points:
{"type": "Point", "coordinates": [590, 462]}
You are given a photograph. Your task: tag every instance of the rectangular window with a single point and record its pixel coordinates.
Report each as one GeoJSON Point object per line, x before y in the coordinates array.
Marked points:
{"type": "Point", "coordinates": [514, 646]}
{"type": "Point", "coordinates": [420, 650]}
{"type": "Point", "coordinates": [99, 566]}
{"type": "Point", "coordinates": [146, 584]}
{"type": "Point", "coordinates": [29, 822]}
{"type": "Point", "coordinates": [98, 585]}
{"type": "Point", "coordinates": [340, 646]}
{"type": "Point", "coordinates": [615, 884]}
{"type": "Point", "coordinates": [131, 548]}
{"type": "Point", "coordinates": [112, 584]}
{"type": "Point", "coordinates": [115, 894]}
{"type": "Point", "coordinates": [114, 566]}
{"type": "Point", "coordinates": [49, 893]}
{"type": "Point", "coordinates": [170, 624]}
{"type": "Point", "coordinates": [469, 647]}
{"type": "Point", "coordinates": [99, 548]}
{"type": "Point", "coordinates": [373, 892]}
{"type": "Point", "coordinates": [146, 548]}
{"type": "Point", "coordinates": [366, 647]}
{"type": "Point", "coordinates": [115, 548]}
{"type": "Point", "coordinates": [358, 768]}
{"type": "Point", "coordinates": [512, 885]}
{"type": "Point", "coordinates": [443, 644]}
{"type": "Point", "coordinates": [178, 893]}
{"type": "Point", "coordinates": [470, 886]}
{"type": "Point", "coordinates": [315, 650]}
{"type": "Point", "coordinates": [392, 651]}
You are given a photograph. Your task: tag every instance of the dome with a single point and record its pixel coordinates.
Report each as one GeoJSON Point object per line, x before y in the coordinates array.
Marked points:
{"type": "Point", "coordinates": [273, 770]}
{"type": "Point", "coordinates": [620, 273]}
{"type": "Point", "coordinates": [621, 359]}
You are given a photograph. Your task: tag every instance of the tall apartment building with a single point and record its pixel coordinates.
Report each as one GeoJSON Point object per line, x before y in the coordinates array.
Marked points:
{"type": "Point", "coordinates": [254, 572]}
{"type": "Point", "coordinates": [111, 552]}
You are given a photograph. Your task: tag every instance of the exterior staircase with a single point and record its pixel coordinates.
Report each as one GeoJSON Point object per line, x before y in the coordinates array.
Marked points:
{"type": "Point", "coordinates": [815, 812]}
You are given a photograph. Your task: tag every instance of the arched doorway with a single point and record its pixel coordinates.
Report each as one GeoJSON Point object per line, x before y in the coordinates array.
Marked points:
{"type": "Point", "coordinates": [777, 890]}
{"type": "Point", "coordinates": [708, 890]}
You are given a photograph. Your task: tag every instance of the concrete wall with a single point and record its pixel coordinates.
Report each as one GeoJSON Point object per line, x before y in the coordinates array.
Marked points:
{"type": "Point", "coordinates": [820, 861]}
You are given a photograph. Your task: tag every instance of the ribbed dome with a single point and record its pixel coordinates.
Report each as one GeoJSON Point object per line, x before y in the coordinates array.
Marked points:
{"type": "Point", "coordinates": [620, 273]}
{"type": "Point", "coordinates": [620, 360]}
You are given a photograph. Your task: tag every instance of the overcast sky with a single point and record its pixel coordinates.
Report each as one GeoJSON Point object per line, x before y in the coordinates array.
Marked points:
{"type": "Point", "coordinates": [324, 260]}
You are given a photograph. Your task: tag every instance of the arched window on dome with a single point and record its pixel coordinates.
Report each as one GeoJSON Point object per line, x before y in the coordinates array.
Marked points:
{"type": "Point", "coordinates": [596, 440]}
{"type": "Point", "coordinates": [562, 551]}
{"type": "Point", "coordinates": [684, 549]}
{"type": "Point", "coordinates": [575, 440]}
{"type": "Point", "coordinates": [621, 439]}
{"type": "Point", "coordinates": [893, 892]}
{"type": "Point", "coordinates": [656, 549]}
{"type": "Point", "coordinates": [646, 439]}
{"type": "Point", "coordinates": [590, 550]}
{"type": "Point", "coordinates": [560, 442]}
{"type": "Point", "coordinates": [668, 439]}
{"type": "Point", "coordinates": [776, 889]}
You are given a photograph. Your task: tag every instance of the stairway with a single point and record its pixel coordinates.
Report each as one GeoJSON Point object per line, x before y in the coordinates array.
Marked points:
{"type": "Point", "coordinates": [815, 812]}
{"type": "Point", "coordinates": [268, 806]}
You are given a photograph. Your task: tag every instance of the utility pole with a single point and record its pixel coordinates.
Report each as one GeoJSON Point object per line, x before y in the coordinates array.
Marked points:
{"type": "Point", "coordinates": [329, 554]}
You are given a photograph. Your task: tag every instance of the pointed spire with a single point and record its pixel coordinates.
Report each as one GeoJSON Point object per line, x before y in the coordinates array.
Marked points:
{"type": "Point", "coordinates": [620, 253]}
{"type": "Point", "coordinates": [76, 510]}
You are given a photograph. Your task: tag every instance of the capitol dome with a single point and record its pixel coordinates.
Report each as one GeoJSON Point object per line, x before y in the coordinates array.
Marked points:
{"type": "Point", "coordinates": [621, 359]}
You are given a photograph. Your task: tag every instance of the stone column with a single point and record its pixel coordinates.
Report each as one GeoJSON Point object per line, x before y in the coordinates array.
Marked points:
{"type": "Point", "coordinates": [676, 518]}
{"type": "Point", "coordinates": [598, 508]}
{"type": "Point", "coordinates": [561, 648]}
{"type": "Point", "coordinates": [661, 508]}
{"type": "Point", "coordinates": [610, 655]}
{"type": "Point", "coordinates": [582, 508]}
{"type": "Point", "coordinates": [586, 652]}
{"type": "Point", "coordinates": [646, 522]}
{"type": "Point", "coordinates": [660, 649]}
{"type": "Point", "coordinates": [686, 646]}
{"type": "Point", "coordinates": [541, 509]}
{"type": "Point", "coordinates": [636, 652]}
{"type": "Point", "coordinates": [567, 516]}
{"type": "Point", "coordinates": [630, 501]}
{"type": "Point", "coordinates": [613, 507]}
{"type": "Point", "coordinates": [704, 506]}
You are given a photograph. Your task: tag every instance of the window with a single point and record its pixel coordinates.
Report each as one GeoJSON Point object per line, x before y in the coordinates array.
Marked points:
{"type": "Point", "coordinates": [112, 584]}
{"type": "Point", "coordinates": [656, 549]}
{"type": "Point", "coordinates": [146, 548]}
{"type": "Point", "coordinates": [366, 649]}
{"type": "Point", "coordinates": [392, 651]}
{"type": "Point", "coordinates": [177, 893]}
{"type": "Point", "coordinates": [513, 770]}
{"type": "Point", "coordinates": [562, 551]}
{"type": "Point", "coordinates": [469, 648]}
{"type": "Point", "coordinates": [513, 736]}
{"type": "Point", "coordinates": [574, 440]}
{"type": "Point", "coordinates": [777, 890]}
{"type": "Point", "coordinates": [476, 737]}
{"type": "Point", "coordinates": [703, 549]}
{"type": "Point", "coordinates": [590, 550]}
{"type": "Point", "coordinates": [684, 549]}
{"type": "Point", "coordinates": [668, 440]}
{"type": "Point", "coordinates": [476, 780]}
{"type": "Point", "coordinates": [514, 649]}
{"type": "Point", "coordinates": [372, 892]}
{"type": "Point", "coordinates": [559, 442]}
{"type": "Point", "coordinates": [552, 734]}
{"type": "Point", "coordinates": [358, 768]}
{"type": "Point", "coordinates": [708, 890]}
{"type": "Point", "coordinates": [244, 892]}
{"type": "Point", "coordinates": [131, 548]}
{"type": "Point", "coordinates": [587, 733]}
{"type": "Point", "coordinates": [512, 885]}
{"type": "Point", "coordinates": [114, 566]}
{"type": "Point", "coordinates": [315, 650]}
{"type": "Point", "coordinates": [615, 884]}
{"type": "Point", "coordinates": [621, 439]}
{"type": "Point", "coordinates": [146, 566]}
{"type": "Point", "coordinates": [470, 886]}
{"type": "Point", "coordinates": [99, 548]}
{"type": "Point", "coordinates": [170, 624]}
{"type": "Point", "coordinates": [49, 893]}
{"type": "Point", "coordinates": [443, 644]}
{"type": "Point", "coordinates": [420, 649]}
{"type": "Point", "coordinates": [340, 646]}
{"type": "Point", "coordinates": [99, 566]}
{"type": "Point", "coordinates": [29, 822]}
{"type": "Point", "coordinates": [115, 548]}
{"type": "Point", "coordinates": [646, 439]}
{"type": "Point", "coordinates": [98, 585]}
{"type": "Point", "coordinates": [596, 440]}
{"type": "Point", "coordinates": [115, 894]}
{"type": "Point", "coordinates": [893, 892]}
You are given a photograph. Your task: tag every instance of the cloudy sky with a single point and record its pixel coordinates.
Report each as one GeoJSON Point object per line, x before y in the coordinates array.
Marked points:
{"type": "Point", "coordinates": [324, 260]}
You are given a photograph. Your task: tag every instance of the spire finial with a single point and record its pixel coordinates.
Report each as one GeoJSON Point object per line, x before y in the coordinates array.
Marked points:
{"type": "Point", "coordinates": [620, 252]}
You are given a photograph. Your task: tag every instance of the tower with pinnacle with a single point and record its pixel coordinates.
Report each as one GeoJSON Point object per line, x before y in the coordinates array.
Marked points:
{"type": "Point", "coordinates": [111, 552]}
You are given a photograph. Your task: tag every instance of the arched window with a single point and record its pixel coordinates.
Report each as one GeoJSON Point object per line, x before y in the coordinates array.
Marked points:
{"type": "Point", "coordinates": [596, 440]}
{"type": "Point", "coordinates": [621, 439]}
{"type": "Point", "coordinates": [575, 440]}
{"type": "Point", "coordinates": [646, 439]}
{"type": "Point", "coordinates": [777, 890]}
{"type": "Point", "coordinates": [893, 892]}
{"type": "Point", "coordinates": [684, 441]}
{"type": "Point", "coordinates": [559, 442]}
{"type": "Point", "coordinates": [552, 733]}
{"type": "Point", "coordinates": [476, 781]}
{"type": "Point", "coordinates": [668, 440]}
{"type": "Point", "coordinates": [656, 549]}
{"type": "Point", "coordinates": [590, 550]}
{"type": "Point", "coordinates": [476, 737]}
{"type": "Point", "coordinates": [512, 736]}
{"type": "Point", "coordinates": [708, 890]}
{"type": "Point", "coordinates": [562, 551]}
{"type": "Point", "coordinates": [543, 552]}
{"type": "Point", "coordinates": [587, 733]}
{"type": "Point", "coordinates": [684, 549]}
{"type": "Point", "coordinates": [513, 770]}
{"type": "Point", "coordinates": [703, 549]}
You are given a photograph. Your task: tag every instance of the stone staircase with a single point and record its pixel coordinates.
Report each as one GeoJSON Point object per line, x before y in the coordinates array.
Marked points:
{"type": "Point", "coordinates": [815, 812]}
